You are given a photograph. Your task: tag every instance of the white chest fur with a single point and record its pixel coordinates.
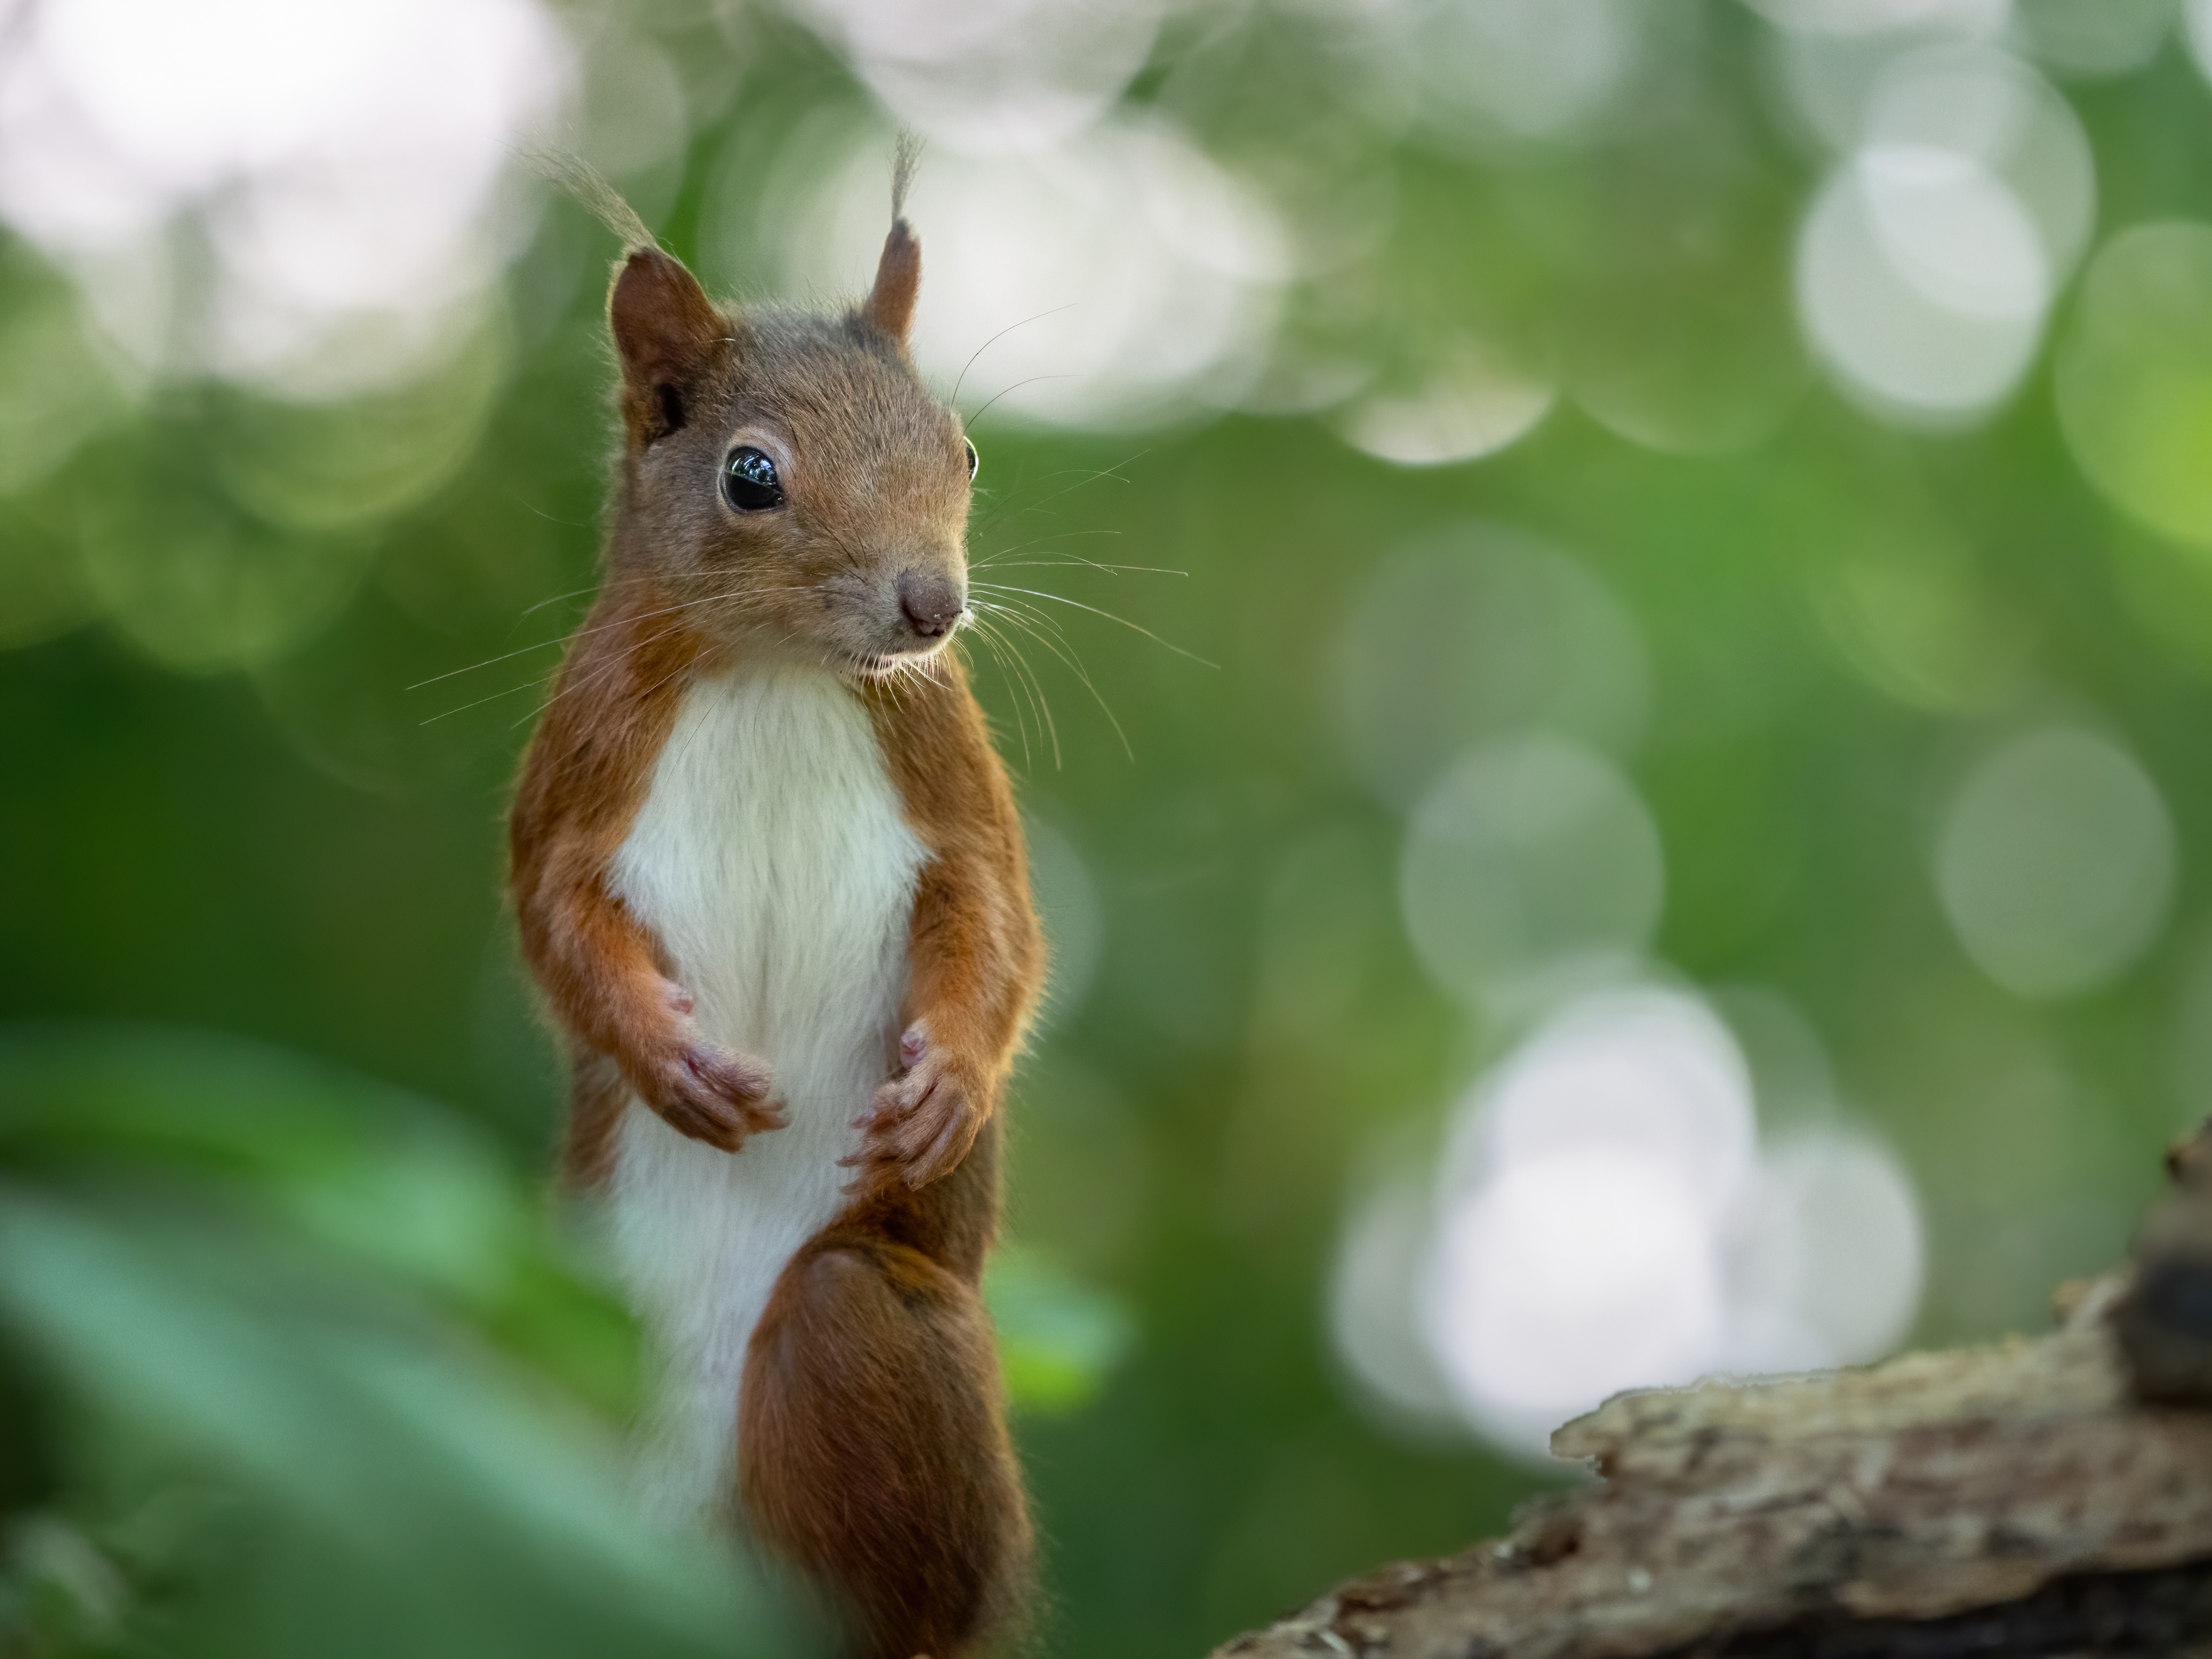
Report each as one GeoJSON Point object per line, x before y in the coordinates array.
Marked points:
{"type": "Point", "coordinates": [772, 862]}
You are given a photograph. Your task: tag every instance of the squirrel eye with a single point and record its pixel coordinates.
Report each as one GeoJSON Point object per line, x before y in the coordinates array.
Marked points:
{"type": "Point", "coordinates": [973, 459]}
{"type": "Point", "coordinates": [750, 483]}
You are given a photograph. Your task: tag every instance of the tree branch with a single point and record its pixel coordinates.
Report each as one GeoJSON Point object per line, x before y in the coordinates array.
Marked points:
{"type": "Point", "coordinates": [2020, 1498]}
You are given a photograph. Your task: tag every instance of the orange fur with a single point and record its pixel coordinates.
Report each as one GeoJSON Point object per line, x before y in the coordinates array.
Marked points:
{"type": "Point", "coordinates": [977, 958]}
{"type": "Point", "coordinates": [872, 1446]}
{"type": "Point", "coordinates": [898, 283]}
{"type": "Point", "coordinates": [871, 1434]}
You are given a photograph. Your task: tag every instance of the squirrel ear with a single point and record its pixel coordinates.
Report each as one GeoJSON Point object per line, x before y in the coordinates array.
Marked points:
{"type": "Point", "coordinates": [898, 281]}
{"type": "Point", "coordinates": [663, 326]}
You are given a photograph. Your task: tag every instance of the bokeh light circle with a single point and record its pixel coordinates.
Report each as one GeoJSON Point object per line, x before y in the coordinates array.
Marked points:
{"type": "Point", "coordinates": [344, 161]}
{"type": "Point", "coordinates": [1921, 282]}
{"type": "Point", "coordinates": [1603, 1217]}
{"type": "Point", "coordinates": [1864, 17]}
{"type": "Point", "coordinates": [1117, 280]}
{"type": "Point", "coordinates": [1828, 1253]}
{"type": "Point", "coordinates": [2054, 862]}
{"type": "Point", "coordinates": [1929, 259]}
{"type": "Point", "coordinates": [1530, 860]}
{"type": "Point", "coordinates": [1471, 400]}
{"type": "Point", "coordinates": [1372, 1314]}
{"type": "Point", "coordinates": [2135, 376]}
{"type": "Point", "coordinates": [1970, 100]}
{"type": "Point", "coordinates": [1471, 634]}
{"type": "Point", "coordinates": [992, 77]}
{"type": "Point", "coordinates": [1565, 1279]}
{"type": "Point", "coordinates": [2197, 16]}
{"type": "Point", "coordinates": [1649, 1073]}
{"type": "Point", "coordinates": [1487, 70]}
{"type": "Point", "coordinates": [2111, 38]}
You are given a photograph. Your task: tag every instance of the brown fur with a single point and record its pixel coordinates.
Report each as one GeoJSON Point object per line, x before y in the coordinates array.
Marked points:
{"type": "Point", "coordinates": [898, 283]}
{"type": "Point", "coordinates": [871, 1431]}
{"type": "Point", "coordinates": [872, 1445]}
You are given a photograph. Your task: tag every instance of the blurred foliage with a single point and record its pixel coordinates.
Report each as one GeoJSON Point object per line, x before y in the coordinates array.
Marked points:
{"type": "Point", "coordinates": [293, 1362]}
{"type": "Point", "coordinates": [302, 1375]}
{"type": "Point", "coordinates": [1058, 1339]}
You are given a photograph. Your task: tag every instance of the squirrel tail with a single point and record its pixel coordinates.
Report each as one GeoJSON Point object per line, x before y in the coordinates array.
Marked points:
{"type": "Point", "coordinates": [873, 1447]}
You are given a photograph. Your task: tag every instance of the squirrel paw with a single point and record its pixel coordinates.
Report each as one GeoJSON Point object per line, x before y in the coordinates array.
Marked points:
{"type": "Point", "coordinates": [921, 1123]}
{"type": "Point", "coordinates": [709, 1093]}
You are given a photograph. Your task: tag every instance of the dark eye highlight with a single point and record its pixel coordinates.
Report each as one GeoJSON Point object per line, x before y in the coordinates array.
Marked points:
{"type": "Point", "coordinates": [973, 459]}
{"type": "Point", "coordinates": [750, 483]}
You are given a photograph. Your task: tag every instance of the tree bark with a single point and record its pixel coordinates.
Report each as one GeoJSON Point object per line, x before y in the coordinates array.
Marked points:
{"type": "Point", "coordinates": [2038, 1497]}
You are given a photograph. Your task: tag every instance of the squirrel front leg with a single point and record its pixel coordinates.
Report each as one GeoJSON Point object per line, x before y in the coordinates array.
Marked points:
{"type": "Point", "coordinates": [600, 968]}
{"type": "Point", "coordinates": [972, 952]}
{"type": "Point", "coordinates": [597, 965]}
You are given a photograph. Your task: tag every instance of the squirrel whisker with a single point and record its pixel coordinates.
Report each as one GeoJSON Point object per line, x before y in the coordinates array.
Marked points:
{"type": "Point", "coordinates": [635, 646]}
{"type": "Point", "coordinates": [1013, 504]}
{"type": "Point", "coordinates": [555, 599]}
{"type": "Point", "coordinates": [1061, 598]}
{"type": "Point", "coordinates": [511, 690]}
{"type": "Point", "coordinates": [1062, 650]}
{"type": "Point", "coordinates": [1025, 678]}
{"type": "Point", "coordinates": [481, 701]}
{"type": "Point", "coordinates": [1075, 666]}
{"type": "Point", "coordinates": [1021, 726]}
{"type": "Point", "coordinates": [994, 340]}
{"type": "Point", "coordinates": [524, 651]}
{"type": "Point", "coordinates": [1040, 541]}
{"type": "Point", "coordinates": [608, 670]}
{"type": "Point", "coordinates": [1016, 386]}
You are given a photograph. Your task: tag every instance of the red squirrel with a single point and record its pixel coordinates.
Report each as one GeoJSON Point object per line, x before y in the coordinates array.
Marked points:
{"type": "Point", "coordinates": [769, 875]}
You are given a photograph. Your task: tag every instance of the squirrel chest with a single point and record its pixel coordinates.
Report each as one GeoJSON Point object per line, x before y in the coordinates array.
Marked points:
{"type": "Point", "coordinates": [773, 863]}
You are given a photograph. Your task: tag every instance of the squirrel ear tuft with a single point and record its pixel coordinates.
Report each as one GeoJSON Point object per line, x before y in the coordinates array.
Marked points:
{"type": "Point", "coordinates": [665, 327]}
{"type": "Point", "coordinates": [898, 282]}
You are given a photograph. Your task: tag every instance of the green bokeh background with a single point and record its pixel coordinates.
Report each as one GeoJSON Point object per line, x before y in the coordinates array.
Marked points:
{"type": "Point", "coordinates": [270, 1038]}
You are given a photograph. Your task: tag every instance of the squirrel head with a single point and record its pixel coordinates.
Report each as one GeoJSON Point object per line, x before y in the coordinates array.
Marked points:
{"type": "Point", "coordinates": [786, 478]}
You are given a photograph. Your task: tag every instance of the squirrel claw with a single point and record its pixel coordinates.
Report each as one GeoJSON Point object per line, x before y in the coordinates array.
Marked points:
{"type": "Point", "coordinates": [921, 1124]}
{"type": "Point", "coordinates": [712, 1094]}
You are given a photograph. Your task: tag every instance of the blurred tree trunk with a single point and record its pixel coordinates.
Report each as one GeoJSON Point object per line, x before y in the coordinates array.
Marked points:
{"type": "Point", "coordinates": [2047, 1496]}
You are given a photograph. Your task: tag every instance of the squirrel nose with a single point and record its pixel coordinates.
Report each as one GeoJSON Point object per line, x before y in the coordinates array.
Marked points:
{"type": "Point", "coordinates": [931, 604]}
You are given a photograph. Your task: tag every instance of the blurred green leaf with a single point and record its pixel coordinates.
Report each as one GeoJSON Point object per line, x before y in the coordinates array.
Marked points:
{"type": "Point", "coordinates": [328, 1300]}
{"type": "Point", "coordinates": [1059, 1339]}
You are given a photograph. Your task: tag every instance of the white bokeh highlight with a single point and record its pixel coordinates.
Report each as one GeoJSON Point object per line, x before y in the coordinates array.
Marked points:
{"type": "Point", "coordinates": [1828, 1255]}
{"type": "Point", "coordinates": [297, 195]}
{"type": "Point", "coordinates": [992, 77]}
{"type": "Point", "coordinates": [2197, 18]}
{"type": "Point", "coordinates": [1558, 1282]}
{"type": "Point", "coordinates": [1921, 282]}
{"type": "Point", "coordinates": [2111, 38]}
{"type": "Point", "coordinates": [1531, 862]}
{"type": "Point", "coordinates": [1830, 77]}
{"type": "Point", "coordinates": [1491, 70]}
{"type": "Point", "coordinates": [2054, 862]}
{"type": "Point", "coordinates": [1471, 402]}
{"type": "Point", "coordinates": [1929, 259]}
{"type": "Point", "coordinates": [1477, 632]}
{"type": "Point", "coordinates": [1118, 279]}
{"type": "Point", "coordinates": [1604, 1217]}
{"type": "Point", "coordinates": [1850, 18]}
{"type": "Point", "coordinates": [1374, 1321]}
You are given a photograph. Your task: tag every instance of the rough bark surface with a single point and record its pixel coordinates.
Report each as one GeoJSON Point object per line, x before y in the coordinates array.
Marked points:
{"type": "Point", "coordinates": [2023, 1498]}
